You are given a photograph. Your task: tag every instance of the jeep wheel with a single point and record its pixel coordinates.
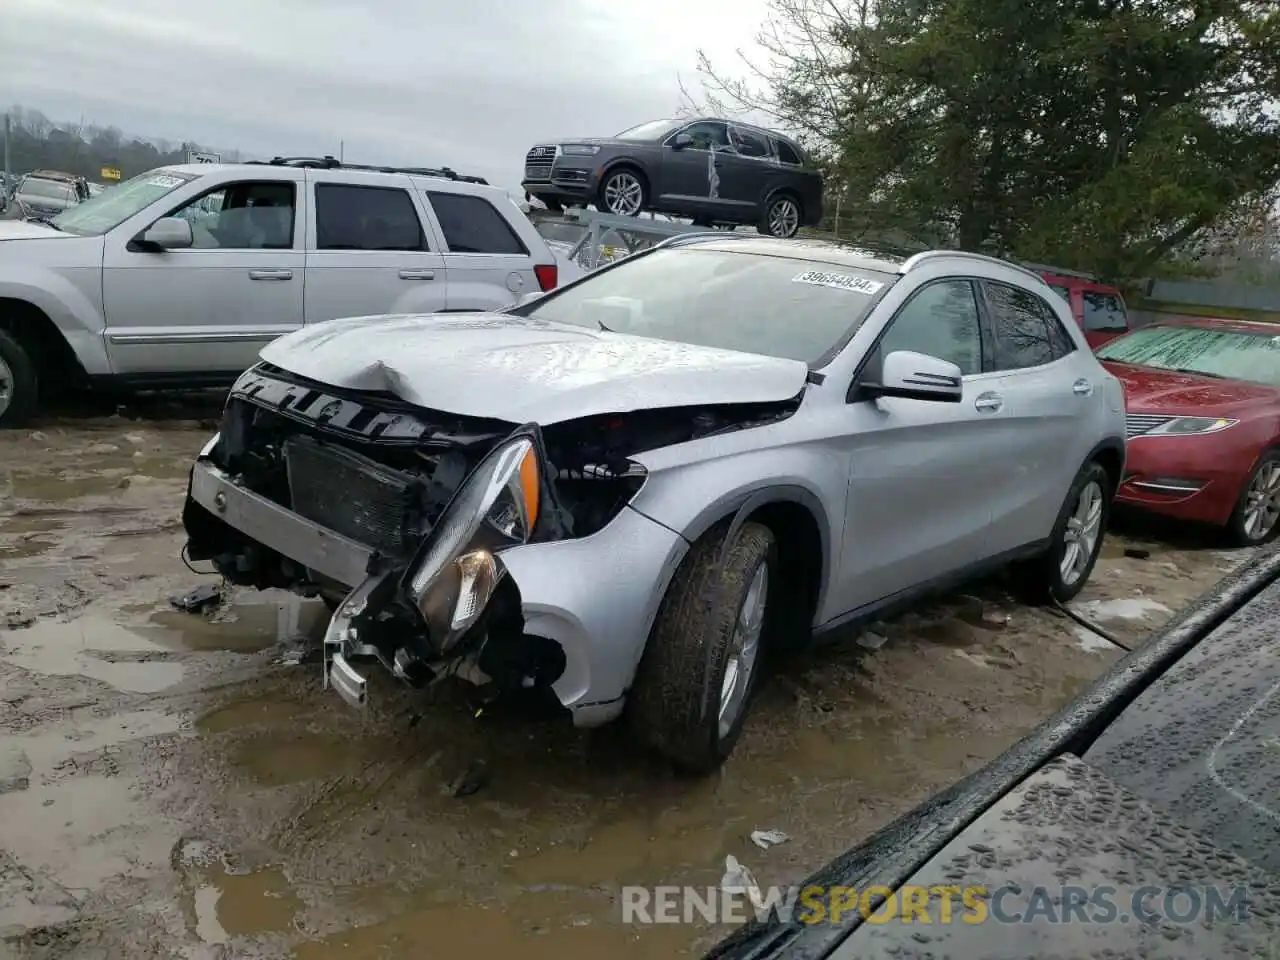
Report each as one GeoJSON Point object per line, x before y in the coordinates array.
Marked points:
{"type": "Point", "coordinates": [19, 389]}
{"type": "Point", "coordinates": [623, 193]}
{"type": "Point", "coordinates": [703, 659]}
{"type": "Point", "coordinates": [781, 218]}
{"type": "Point", "coordinates": [1062, 571]}
{"type": "Point", "coordinates": [1256, 517]}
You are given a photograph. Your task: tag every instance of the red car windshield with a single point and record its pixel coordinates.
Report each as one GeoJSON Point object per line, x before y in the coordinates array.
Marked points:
{"type": "Point", "coordinates": [1232, 354]}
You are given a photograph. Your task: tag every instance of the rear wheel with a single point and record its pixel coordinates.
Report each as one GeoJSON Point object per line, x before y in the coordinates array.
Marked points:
{"type": "Point", "coordinates": [781, 217]}
{"type": "Point", "coordinates": [702, 663]}
{"type": "Point", "coordinates": [1256, 518]}
{"type": "Point", "coordinates": [1062, 571]}
{"type": "Point", "coordinates": [19, 385]}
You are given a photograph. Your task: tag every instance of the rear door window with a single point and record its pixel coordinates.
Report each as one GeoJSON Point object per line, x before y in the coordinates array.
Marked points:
{"type": "Point", "coordinates": [350, 217]}
{"type": "Point", "coordinates": [1104, 312]}
{"type": "Point", "coordinates": [472, 225]}
{"type": "Point", "coordinates": [1021, 322]}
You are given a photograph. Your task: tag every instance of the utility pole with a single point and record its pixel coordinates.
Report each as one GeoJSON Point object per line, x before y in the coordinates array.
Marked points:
{"type": "Point", "coordinates": [342, 144]}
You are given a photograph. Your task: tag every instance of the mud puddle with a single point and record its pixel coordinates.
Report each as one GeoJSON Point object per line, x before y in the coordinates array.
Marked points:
{"type": "Point", "coordinates": [177, 784]}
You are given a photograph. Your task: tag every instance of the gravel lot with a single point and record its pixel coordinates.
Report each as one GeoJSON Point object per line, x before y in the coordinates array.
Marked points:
{"type": "Point", "coordinates": [178, 785]}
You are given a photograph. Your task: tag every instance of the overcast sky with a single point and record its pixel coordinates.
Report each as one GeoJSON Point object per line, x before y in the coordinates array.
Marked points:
{"type": "Point", "coordinates": [471, 84]}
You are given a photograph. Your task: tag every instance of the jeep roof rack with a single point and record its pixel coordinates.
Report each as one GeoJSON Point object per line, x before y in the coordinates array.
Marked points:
{"type": "Point", "coordinates": [333, 163]}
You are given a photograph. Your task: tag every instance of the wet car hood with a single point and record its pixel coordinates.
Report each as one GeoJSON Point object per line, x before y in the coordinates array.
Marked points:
{"type": "Point", "coordinates": [520, 370]}
{"type": "Point", "coordinates": [1148, 390]}
{"type": "Point", "coordinates": [1068, 826]}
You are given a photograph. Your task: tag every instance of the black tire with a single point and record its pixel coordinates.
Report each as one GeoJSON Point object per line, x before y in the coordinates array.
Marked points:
{"type": "Point", "coordinates": [674, 705]}
{"type": "Point", "coordinates": [17, 378]}
{"type": "Point", "coordinates": [1238, 528]}
{"type": "Point", "coordinates": [1040, 579]}
{"type": "Point", "coordinates": [773, 208]}
{"type": "Point", "coordinates": [555, 206]}
{"type": "Point", "coordinates": [615, 177]}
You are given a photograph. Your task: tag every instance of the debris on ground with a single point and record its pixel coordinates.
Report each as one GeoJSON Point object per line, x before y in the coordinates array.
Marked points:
{"type": "Point", "coordinates": [469, 781]}
{"type": "Point", "coordinates": [764, 839]}
{"type": "Point", "coordinates": [871, 639]}
{"type": "Point", "coordinates": [1136, 553]}
{"type": "Point", "coordinates": [15, 770]}
{"type": "Point", "coordinates": [200, 599]}
{"type": "Point", "coordinates": [739, 879]}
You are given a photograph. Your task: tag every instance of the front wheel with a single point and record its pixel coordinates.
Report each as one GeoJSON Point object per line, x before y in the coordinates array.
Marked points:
{"type": "Point", "coordinates": [623, 193]}
{"type": "Point", "coordinates": [1256, 517]}
{"type": "Point", "coordinates": [781, 217]}
{"type": "Point", "coordinates": [1062, 571]}
{"type": "Point", "coordinates": [19, 387]}
{"type": "Point", "coordinates": [702, 662]}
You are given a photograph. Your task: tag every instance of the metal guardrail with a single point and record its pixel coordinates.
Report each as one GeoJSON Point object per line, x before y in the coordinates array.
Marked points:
{"type": "Point", "coordinates": [606, 230]}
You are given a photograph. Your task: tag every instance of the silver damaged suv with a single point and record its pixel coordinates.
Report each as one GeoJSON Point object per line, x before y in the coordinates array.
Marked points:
{"type": "Point", "coordinates": [623, 493]}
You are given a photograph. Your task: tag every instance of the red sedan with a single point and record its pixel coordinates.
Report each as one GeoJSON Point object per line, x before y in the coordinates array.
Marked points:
{"type": "Point", "coordinates": [1203, 403]}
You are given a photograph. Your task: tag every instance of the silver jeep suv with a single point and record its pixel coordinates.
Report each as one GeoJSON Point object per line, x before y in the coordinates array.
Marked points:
{"type": "Point", "coordinates": [178, 277]}
{"type": "Point", "coordinates": [622, 493]}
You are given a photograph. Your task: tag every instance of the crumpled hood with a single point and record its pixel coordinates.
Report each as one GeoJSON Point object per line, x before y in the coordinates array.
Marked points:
{"type": "Point", "coordinates": [24, 230]}
{"type": "Point", "coordinates": [521, 370]}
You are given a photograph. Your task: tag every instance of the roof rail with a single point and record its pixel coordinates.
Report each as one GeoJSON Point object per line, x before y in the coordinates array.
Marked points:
{"type": "Point", "coordinates": [333, 163]}
{"type": "Point", "coordinates": [1061, 271]}
{"type": "Point", "coordinates": [916, 259]}
{"type": "Point", "coordinates": [685, 239]}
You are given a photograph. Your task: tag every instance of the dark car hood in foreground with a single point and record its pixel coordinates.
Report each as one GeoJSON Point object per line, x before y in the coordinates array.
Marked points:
{"type": "Point", "coordinates": [1167, 774]}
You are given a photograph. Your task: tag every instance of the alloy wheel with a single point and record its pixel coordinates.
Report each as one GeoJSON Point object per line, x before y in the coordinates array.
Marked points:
{"type": "Point", "coordinates": [1080, 537]}
{"type": "Point", "coordinates": [1262, 502]}
{"type": "Point", "coordinates": [6, 387]}
{"type": "Point", "coordinates": [744, 650]}
{"type": "Point", "coordinates": [784, 218]}
{"type": "Point", "coordinates": [623, 194]}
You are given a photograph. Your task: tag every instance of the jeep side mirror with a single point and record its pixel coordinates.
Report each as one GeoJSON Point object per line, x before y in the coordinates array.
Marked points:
{"type": "Point", "coordinates": [169, 233]}
{"type": "Point", "coordinates": [681, 141]}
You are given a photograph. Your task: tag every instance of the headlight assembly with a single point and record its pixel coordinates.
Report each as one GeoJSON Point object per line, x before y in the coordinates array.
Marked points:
{"type": "Point", "coordinates": [457, 570]}
{"type": "Point", "coordinates": [579, 149]}
{"type": "Point", "coordinates": [1191, 426]}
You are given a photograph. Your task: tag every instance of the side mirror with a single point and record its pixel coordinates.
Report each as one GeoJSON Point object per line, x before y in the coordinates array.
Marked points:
{"type": "Point", "coordinates": [169, 233]}
{"type": "Point", "coordinates": [681, 141]}
{"type": "Point", "coordinates": [917, 376]}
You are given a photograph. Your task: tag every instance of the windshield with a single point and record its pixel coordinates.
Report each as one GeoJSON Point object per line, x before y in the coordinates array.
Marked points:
{"type": "Point", "coordinates": [1218, 353]}
{"type": "Point", "coordinates": [653, 130]}
{"type": "Point", "coordinates": [53, 189]}
{"type": "Point", "coordinates": [774, 306]}
{"type": "Point", "coordinates": [113, 207]}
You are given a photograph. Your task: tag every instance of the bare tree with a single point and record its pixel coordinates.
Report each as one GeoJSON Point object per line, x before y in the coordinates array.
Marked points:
{"type": "Point", "coordinates": [801, 82]}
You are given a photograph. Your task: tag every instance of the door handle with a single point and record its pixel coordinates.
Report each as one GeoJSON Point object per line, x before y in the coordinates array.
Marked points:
{"type": "Point", "coordinates": [988, 402]}
{"type": "Point", "coordinates": [270, 274]}
{"type": "Point", "coordinates": [417, 274]}
{"type": "Point", "coordinates": [1082, 387]}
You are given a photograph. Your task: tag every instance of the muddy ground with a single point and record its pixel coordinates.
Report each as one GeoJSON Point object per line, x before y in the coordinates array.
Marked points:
{"type": "Point", "coordinates": [176, 785]}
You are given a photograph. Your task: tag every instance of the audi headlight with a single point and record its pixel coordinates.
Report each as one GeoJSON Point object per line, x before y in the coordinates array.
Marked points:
{"type": "Point", "coordinates": [1191, 426]}
{"type": "Point", "coordinates": [579, 149]}
{"type": "Point", "coordinates": [457, 570]}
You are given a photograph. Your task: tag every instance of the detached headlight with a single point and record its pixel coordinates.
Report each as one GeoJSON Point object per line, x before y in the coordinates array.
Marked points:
{"type": "Point", "coordinates": [1191, 426]}
{"type": "Point", "coordinates": [455, 573]}
{"type": "Point", "coordinates": [579, 149]}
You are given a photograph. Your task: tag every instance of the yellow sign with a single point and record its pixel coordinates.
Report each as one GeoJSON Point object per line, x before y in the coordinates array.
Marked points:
{"type": "Point", "coordinates": [110, 173]}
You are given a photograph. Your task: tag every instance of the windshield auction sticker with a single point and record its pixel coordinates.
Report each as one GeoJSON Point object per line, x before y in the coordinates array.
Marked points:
{"type": "Point", "coordinates": [841, 281]}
